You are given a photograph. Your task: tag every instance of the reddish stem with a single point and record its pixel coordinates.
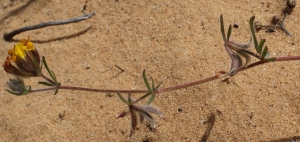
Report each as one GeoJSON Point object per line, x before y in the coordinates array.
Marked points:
{"type": "Point", "coordinates": [172, 87]}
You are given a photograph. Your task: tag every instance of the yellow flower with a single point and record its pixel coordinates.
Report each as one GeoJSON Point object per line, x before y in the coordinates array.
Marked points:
{"type": "Point", "coordinates": [20, 49]}
{"type": "Point", "coordinates": [25, 57]}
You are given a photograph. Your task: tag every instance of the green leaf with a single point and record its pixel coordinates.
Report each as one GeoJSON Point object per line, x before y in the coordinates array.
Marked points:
{"type": "Point", "coordinates": [18, 94]}
{"type": "Point", "coordinates": [46, 83]}
{"type": "Point", "coordinates": [253, 34]}
{"type": "Point", "coordinates": [145, 96]}
{"type": "Point", "coordinates": [152, 84]}
{"type": "Point", "coordinates": [260, 46]}
{"type": "Point", "coordinates": [46, 66]}
{"type": "Point", "coordinates": [265, 52]}
{"type": "Point", "coordinates": [56, 91]}
{"type": "Point", "coordinates": [129, 100]}
{"type": "Point", "coordinates": [122, 98]}
{"type": "Point", "coordinates": [229, 32]}
{"type": "Point", "coordinates": [54, 77]}
{"type": "Point", "coordinates": [152, 97]}
{"type": "Point", "coordinates": [146, 82]}
{"type": "Point", "coordinates": [222, 28]}
{"type": "Point", "coordinates": [158, 86]}
{"type": "Point", "coordinates": [153, 94]}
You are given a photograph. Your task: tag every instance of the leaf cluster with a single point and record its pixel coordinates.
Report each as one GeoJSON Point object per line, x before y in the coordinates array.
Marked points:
{"type": "Point", "coordinates": [141, 111]}
{"type": "Point", "coordinates": [49, 82]}
{"type": "Point", "coordinates": [237, 51]}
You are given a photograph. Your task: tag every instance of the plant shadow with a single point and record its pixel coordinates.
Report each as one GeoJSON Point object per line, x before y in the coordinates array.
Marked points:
{"type": "Point", "coordinates": [289, 139]}
{"type": "Point", "coordinates": [210, 121]}
{"type": "Point", "coordinates": [18, 10]}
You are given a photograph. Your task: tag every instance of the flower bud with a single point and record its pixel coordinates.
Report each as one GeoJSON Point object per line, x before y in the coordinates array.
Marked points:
{"type": "Point", "coordinates": [291, 3]}
{"type": "Point", "coordinates": [17, 87]}
{"type": "Point", "coordinates": [275, 20]}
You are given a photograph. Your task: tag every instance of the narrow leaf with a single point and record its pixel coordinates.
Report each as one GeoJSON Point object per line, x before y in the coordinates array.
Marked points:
{"type": "Point", "coordinates": [56, 91]}
{"type": "Point", "coordinates": [54, 77]}
{"type": "Point", "coordinates": [153, 87]}
{"type": "Point", "coordinates": [265, 52]}
{"type": "Point", "coordinates": [222, 28]}
{"type": "Point", "coordinates": [46, 83]}
{"type": "Point", "coordinates": [153, 94]}
{"type": "Point", "coordinates": [229, 32]}
{"type": "Point", "coordinates": [18, 94]}
{"type": "Point", "coordinates": [253, 33]}
{"type": "Point", "coordinates": [146, 82]}
{"type": "Point", "coordinates": [46, 66]}
{"type": "Point", "coordinates": [143, 97]}
{"type": "Point", "coordinates": [124, 113]}
{"type": "Point", "coordinates": [158, 86]}
{"type": "Point", "coordinates": [122, 98]}
{"type": "Point", "coordinates": [152, 97]}
{"type": "Point", "coordinates": [129, 99]}
{"type": "Point", "coordinates": [260, 46]}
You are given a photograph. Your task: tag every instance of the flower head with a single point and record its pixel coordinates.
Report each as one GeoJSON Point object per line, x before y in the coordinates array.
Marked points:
{"type": "Point", "coordinates": [140, 112]}
{"type": "Point", "coordinates": [26, 57]}
{"type": "Point", "coordinates": [17, 87]}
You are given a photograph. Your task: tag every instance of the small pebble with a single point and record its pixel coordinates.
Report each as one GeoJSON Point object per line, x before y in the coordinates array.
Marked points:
{"type": "Point", "coordinates": [235, 25]}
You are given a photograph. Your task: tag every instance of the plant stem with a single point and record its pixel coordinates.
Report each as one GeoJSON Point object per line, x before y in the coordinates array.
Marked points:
{"type": "Point", "coordinates": [44, 89]}
{"type": "Point", "coordinates": [161, 90]}
{"type": "Point", "coordinates": [187, 84]}
{"type": "Point", "coordinates": [102, 90]}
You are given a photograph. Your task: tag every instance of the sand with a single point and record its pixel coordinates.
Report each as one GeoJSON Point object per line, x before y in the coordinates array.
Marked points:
{"type": "Point", "coordinates": [176, 42]}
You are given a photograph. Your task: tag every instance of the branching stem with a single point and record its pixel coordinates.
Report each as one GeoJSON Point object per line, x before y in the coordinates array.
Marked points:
{"type": "Point", "coordinates": [46, 78]}
{"type": "Point", "coordinates": [161, 90]}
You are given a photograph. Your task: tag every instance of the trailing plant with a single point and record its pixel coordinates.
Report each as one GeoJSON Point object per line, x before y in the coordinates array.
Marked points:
{"type": "Point", "coordinates": [24, 61]}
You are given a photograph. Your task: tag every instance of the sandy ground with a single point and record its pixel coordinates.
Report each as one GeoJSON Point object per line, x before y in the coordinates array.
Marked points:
{"type": "Point", "coordinates": [176, 42]}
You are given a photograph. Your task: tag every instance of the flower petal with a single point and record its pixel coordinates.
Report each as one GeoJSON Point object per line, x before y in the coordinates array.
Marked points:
{"type": "Point", "coordinates": [124, 113]}
{"type": "Point", "coordinates": [240, 46]}
{"type": "Point", "coordinates": [236, 60]}
{"type": "Point", "coordinates": [147, 116]}
{"type": "Point", "coordinates": [133, 122]}
{"type": "Point", "coordinates": [150, 109]}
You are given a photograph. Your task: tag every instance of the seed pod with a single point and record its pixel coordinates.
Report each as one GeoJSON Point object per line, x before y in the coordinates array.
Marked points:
{"type": "Point", "coordinates": [275, 20]}
{"type": "Point", "coordinates": [287, 10]}
{"type": "Point", "coordinates": [291, 3]}
{"type": "Point", "coordinates": [257, 26]}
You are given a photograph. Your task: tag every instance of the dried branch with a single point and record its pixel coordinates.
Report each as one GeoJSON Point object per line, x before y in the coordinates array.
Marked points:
{"type": "Point", "coordinates": [9, 36]}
